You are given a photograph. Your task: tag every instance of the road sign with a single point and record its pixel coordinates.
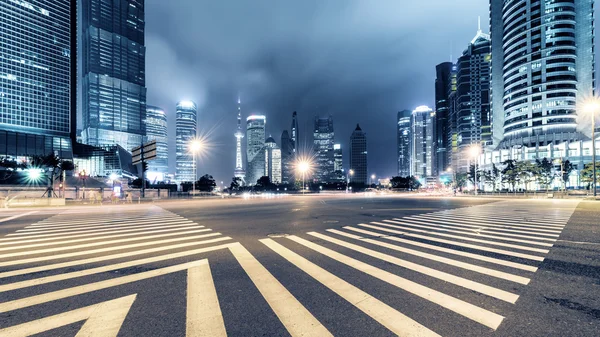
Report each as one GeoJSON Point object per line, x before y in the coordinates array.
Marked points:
{"type": "Point", "coordinates": [144, 152]}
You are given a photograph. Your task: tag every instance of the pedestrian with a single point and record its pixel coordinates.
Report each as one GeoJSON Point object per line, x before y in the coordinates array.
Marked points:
{"type": "Point", "coordinates": [129, 198]}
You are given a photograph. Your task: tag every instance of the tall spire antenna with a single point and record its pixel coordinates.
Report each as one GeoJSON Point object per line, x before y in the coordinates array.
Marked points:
{"type": "Point", "coordinates": [479, 23]}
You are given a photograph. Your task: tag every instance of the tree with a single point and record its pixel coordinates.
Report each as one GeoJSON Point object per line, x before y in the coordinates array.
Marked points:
{"type": "Point", "coordinates": [510, 173]}
{"type": "Point", "coordinates": [137, 183]}
{"type": "Point", "coordinates": [544, 172]}
{"type": "Point", "coordinates": [10, 167]}
{"type": "Point", "coordinates": [461, 180]}
{"type": "Point", "coordinates": [55, 165]}
{"type": "Point", "coordinates": [587, 173]}
{"type": "Point", "coordinates": [414, 183]}
{"type": "Point", "coordinates": [527, 172]}
{"type": "Point", "coordinates": [567, 168]}
{"type": "Point", "coordinates": [471, 174]}
{"type": "Point", "coordinates": [400, 182]}
{"type": "Point", "coordinates": [206, 183]}
{"type": "Point", "coordinates": [236, 182]}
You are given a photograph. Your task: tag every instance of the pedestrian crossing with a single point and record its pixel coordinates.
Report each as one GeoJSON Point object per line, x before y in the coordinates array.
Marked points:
{"type": "Point", "coordinates": [471, 262]}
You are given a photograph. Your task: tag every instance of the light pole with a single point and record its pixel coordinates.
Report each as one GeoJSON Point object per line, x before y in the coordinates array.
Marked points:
{"type": "Point", "coordinates": [372, 179]}
{"type": "Point", "coordinates": [303, 166]}
{"type": "Point", "coordinates": [350, 174]}
{"type": "Point", "coordinates": [83, 175]}
{"type": "Point", "coordinates": [195, 146]}
{"type": "Point", "coordinates": [474, 151]}
{"type": "Point", "coordinates": [592, 107]}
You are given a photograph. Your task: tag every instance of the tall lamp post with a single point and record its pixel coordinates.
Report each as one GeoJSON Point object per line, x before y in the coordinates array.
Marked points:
{"type": "Point", "coordinates": [372, 179]}
{"type": "Point", "coordinates": [195, 146]}
{"type": "Point", "coordinates": [350, 174]}
{"type": "Point", "coordinates": [592, 108]}
{"type": "Point", "coordinates": [303, 166]}
{"type": "Point", "coordinates": [83, 176]}
{"type": "Point", "coordinates": [474, 152]}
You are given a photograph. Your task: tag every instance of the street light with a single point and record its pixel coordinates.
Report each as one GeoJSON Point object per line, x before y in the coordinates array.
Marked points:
{"type": "Point", "coordinates": [195, 146]}
{"type": "Point", "coordinates": [591, 107]}
{"type": "Point", "coordinates": [474, 152]}
{"type": "Point", "coordinates": [372, 178]}
{"type": "Point", "coordinates": [303, 166]}
{"type": "Point", "coordinates": [350, 174]}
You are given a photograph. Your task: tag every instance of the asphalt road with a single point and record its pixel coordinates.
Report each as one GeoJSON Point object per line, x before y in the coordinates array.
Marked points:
{"type": "Point", "coordinates": [303, 266]}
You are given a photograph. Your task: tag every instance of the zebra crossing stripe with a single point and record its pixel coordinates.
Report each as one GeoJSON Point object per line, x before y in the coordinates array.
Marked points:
{"type": "Point", "coordinates": [501, 244]}
{"type": "Point", "coordinates": [495, 226]}
{"type": "Point", "coordinates": [387, 316]}
{"type": "Point", "coordinates": [446, 250]}
{"type": "Point", "coordinates": [103, 219]}
{"type": "Point", "coordinates": [450, 278]}
{"type": "Point", "coordinates": [457, 243]}
{"type": "Point", "coordinates": [551, 223]}
{"type": "Point", "coordinates": [38, 269]}
{"type": "Point", "coordinates": [293, 315]}
{"type": "Point", "coordinates": [442, 228]}
{"type": "Point", "coordinates": [491, 222]}
{"type": "Point", "coordinates": [16, 216]}
{"type": "Point", "coordinates": [87, 245]}
{"type": "Point", "coordinates": [97, 270]}
{"type": "Point", "coordinates": [102, 320]}
{"type": "Point", "coordinates": [90, 287]}
{"type": "Point", "coordinates": [100, 250]}
{"type": "Point", "coordinates": [40, 229]}
{"type": "Point", "coordinates": [92, 235]}
{"type": "Point", "coordinates": [203, 313]}
{"type": "Point", "coordinates": [459, 264]}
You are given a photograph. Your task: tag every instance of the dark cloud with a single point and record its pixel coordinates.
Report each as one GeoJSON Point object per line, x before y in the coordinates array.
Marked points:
{"type": "Point", "coordinates": [359, 61]}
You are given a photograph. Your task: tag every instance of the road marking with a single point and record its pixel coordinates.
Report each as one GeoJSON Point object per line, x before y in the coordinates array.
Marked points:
{"type": "Point", "coordinates": [537, 250]}
{"type": "Point", "coordinates": [90, 287]}
{"type": "Point", "coordinates": [442, 228]}
{"type": "Point", "coordinates": [203, 313]}
{"type": "Point", "coordinates": [37, 229]}
{"type": "Point", "coordinates": [433, 257]}
{"type": "Point", "coordinates": [97, 270]}
{"type": "Point", "coordinates": [491, 222]}
{"type": "Point", "coordinates": [100, 250]}
{"type": "Point", "coordinates": [513, 219]}
{"type": "Point", "coordinates": [87, 245]}
{"type": "Point", "coordinates": [457, 243]}
{"type": "Point", "coordinates": [92, 235]}
{"type": "Point", "coordinates": [105, 217]}
{"type": "Point", "coordinates": [496, 226]}
{"type": "Point", "coordinates": [447, 250]}
{"type": "Point", "coordinates": [387, 316]}
{"type": "Point", "coordinates": [17, 216]}
{"type": "Point", "coordinates": [293, 315]}
{"type": "Point", "coordinates": [102, 320]}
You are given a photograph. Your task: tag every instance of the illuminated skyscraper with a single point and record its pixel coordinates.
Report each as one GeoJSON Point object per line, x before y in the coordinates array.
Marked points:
{"type": "Point", "coordinates": [272, 161]}
{"type": "Point", "coordinates": [186, 131]}
{"type": "Point", "coordinates": [422, 148]}
{"type": "Point", "coordinates": [287, 157]}
{"type": "Point", "coordinates": [255, 142]}
{"type": "Point", "coordinates": [405, 139]}
{"type": "Point", "coordinates": [156, 129]}
{"type": "Point", "coordinates": [323, 147]}
{"type": "Point", "coordinates": [114, 78]}
{"type": "Point", "coordinates": [358, 156]}
{"type": "Point", "coordinates": [239, 134]}
{"type": "Point", "coordinates": [35, 60]}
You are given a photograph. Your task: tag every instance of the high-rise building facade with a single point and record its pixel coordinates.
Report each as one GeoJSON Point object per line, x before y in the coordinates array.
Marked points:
{"type": "Point", "coordinates": [423, 156]}
{"type": "Point", "coordinates": [323, 148]}
{"type": "Point", "coordinates": [156, 129]}
{"type": "Point", "coordinates": [255, 143]}
{"type": "Point", "coordinates": [443, 82]}
{"type": "Point", "coordinates": [287, 158]}
{"type": "Point", "coordinates": [35, 69]}
{"type": "Point", "coordinates": [404, 142]}
{"type": "Point", "coordinates": [295, 136]}
{"type": "Point", "coordinates": [542, 70]}
{"type": "Point", "coordinates": [239, 134]}
{"type": "Point", "coordinates": [338, 164]}
{"type": "Point", "coordinates": [273, 161]}
{"type": "Point", "coordinates": [114, 78]}
{"type": "Point", "coordinates": [470, 112]}
{"type": "Point", "coordinates": [358, 156]}
{"type": "Point", "coordinates": [185, 133]}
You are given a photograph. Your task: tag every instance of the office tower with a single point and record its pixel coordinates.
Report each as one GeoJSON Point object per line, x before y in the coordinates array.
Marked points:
{"type": "Point", "coordinates": [470, 111]}
{"type": "Point", "coordinates": [255, 142]}
{"type": "Point", "coordinates": [404, 144]}
{"type": "Point", "coordinates": [156, 129]}
{"type": "Point", "coordinates": [239, 134]}
{"type": "Point", "coordinates": [358, 156]}
{"type": "Point", "coordinates": [35, 116]}
{"type": "Point", "coordinates": [294, 129]}
{"type": "Point", "coordinates": [272, 161]}
{"type": "Point", "coordinates": [442, 113]}
{"type": "Point", "coordinates": [323, 148]}
{"type": "Point", "coordinates": [186, 131]}
{"type": "Point", "coordinates": [338, 164]}
{"type": "Point", "coordinates": [542, 70]}
{"type": "Point", "coordinates": [422, 148]}
{"type": "Point", "coordinates": [287, 158]}
{"type": "Point", "coordinates": [113, 67]}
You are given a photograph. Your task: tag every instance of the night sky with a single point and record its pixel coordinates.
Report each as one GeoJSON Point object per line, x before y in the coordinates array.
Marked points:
{"type": "Point", "coordinates": [359, 61]}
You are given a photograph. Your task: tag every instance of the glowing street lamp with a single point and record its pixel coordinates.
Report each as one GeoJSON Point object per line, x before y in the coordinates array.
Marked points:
{"type": "Point", "coordinates": [474, 152]}
{"type": "Point", "coordinates": [195, 146]}
{"type": "Point", "coordinates": [372, 178]}
{"type": "Point", "coordinates": [303, 166]}
{"type": "Point", "coordinates": [591, 107]}
{"type": "Point", "coordinates": [350, 174]}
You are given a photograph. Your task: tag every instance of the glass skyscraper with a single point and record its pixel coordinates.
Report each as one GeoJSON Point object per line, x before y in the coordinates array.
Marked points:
{"type": "Point", "coordinates": [404, 144]}
{"type": "Point", "coordinates": [114, 79]}
{"type": "Point", "coordinates": [255, 143]}
{"type": "Point", "coordinates": [323, 147]}
{"type": "Point", "coordinates": [358, 156]}
{"type": "Point", "coordinates": [186, 131]}
{"type": "Point", "coordinates": [542, 70]}
{"type": "Point", "coordinates": [156, 129]}
{"type": "Point", "coordinates": [422, 156]}
{"type": "Point", "coordinates": [35, 73]}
